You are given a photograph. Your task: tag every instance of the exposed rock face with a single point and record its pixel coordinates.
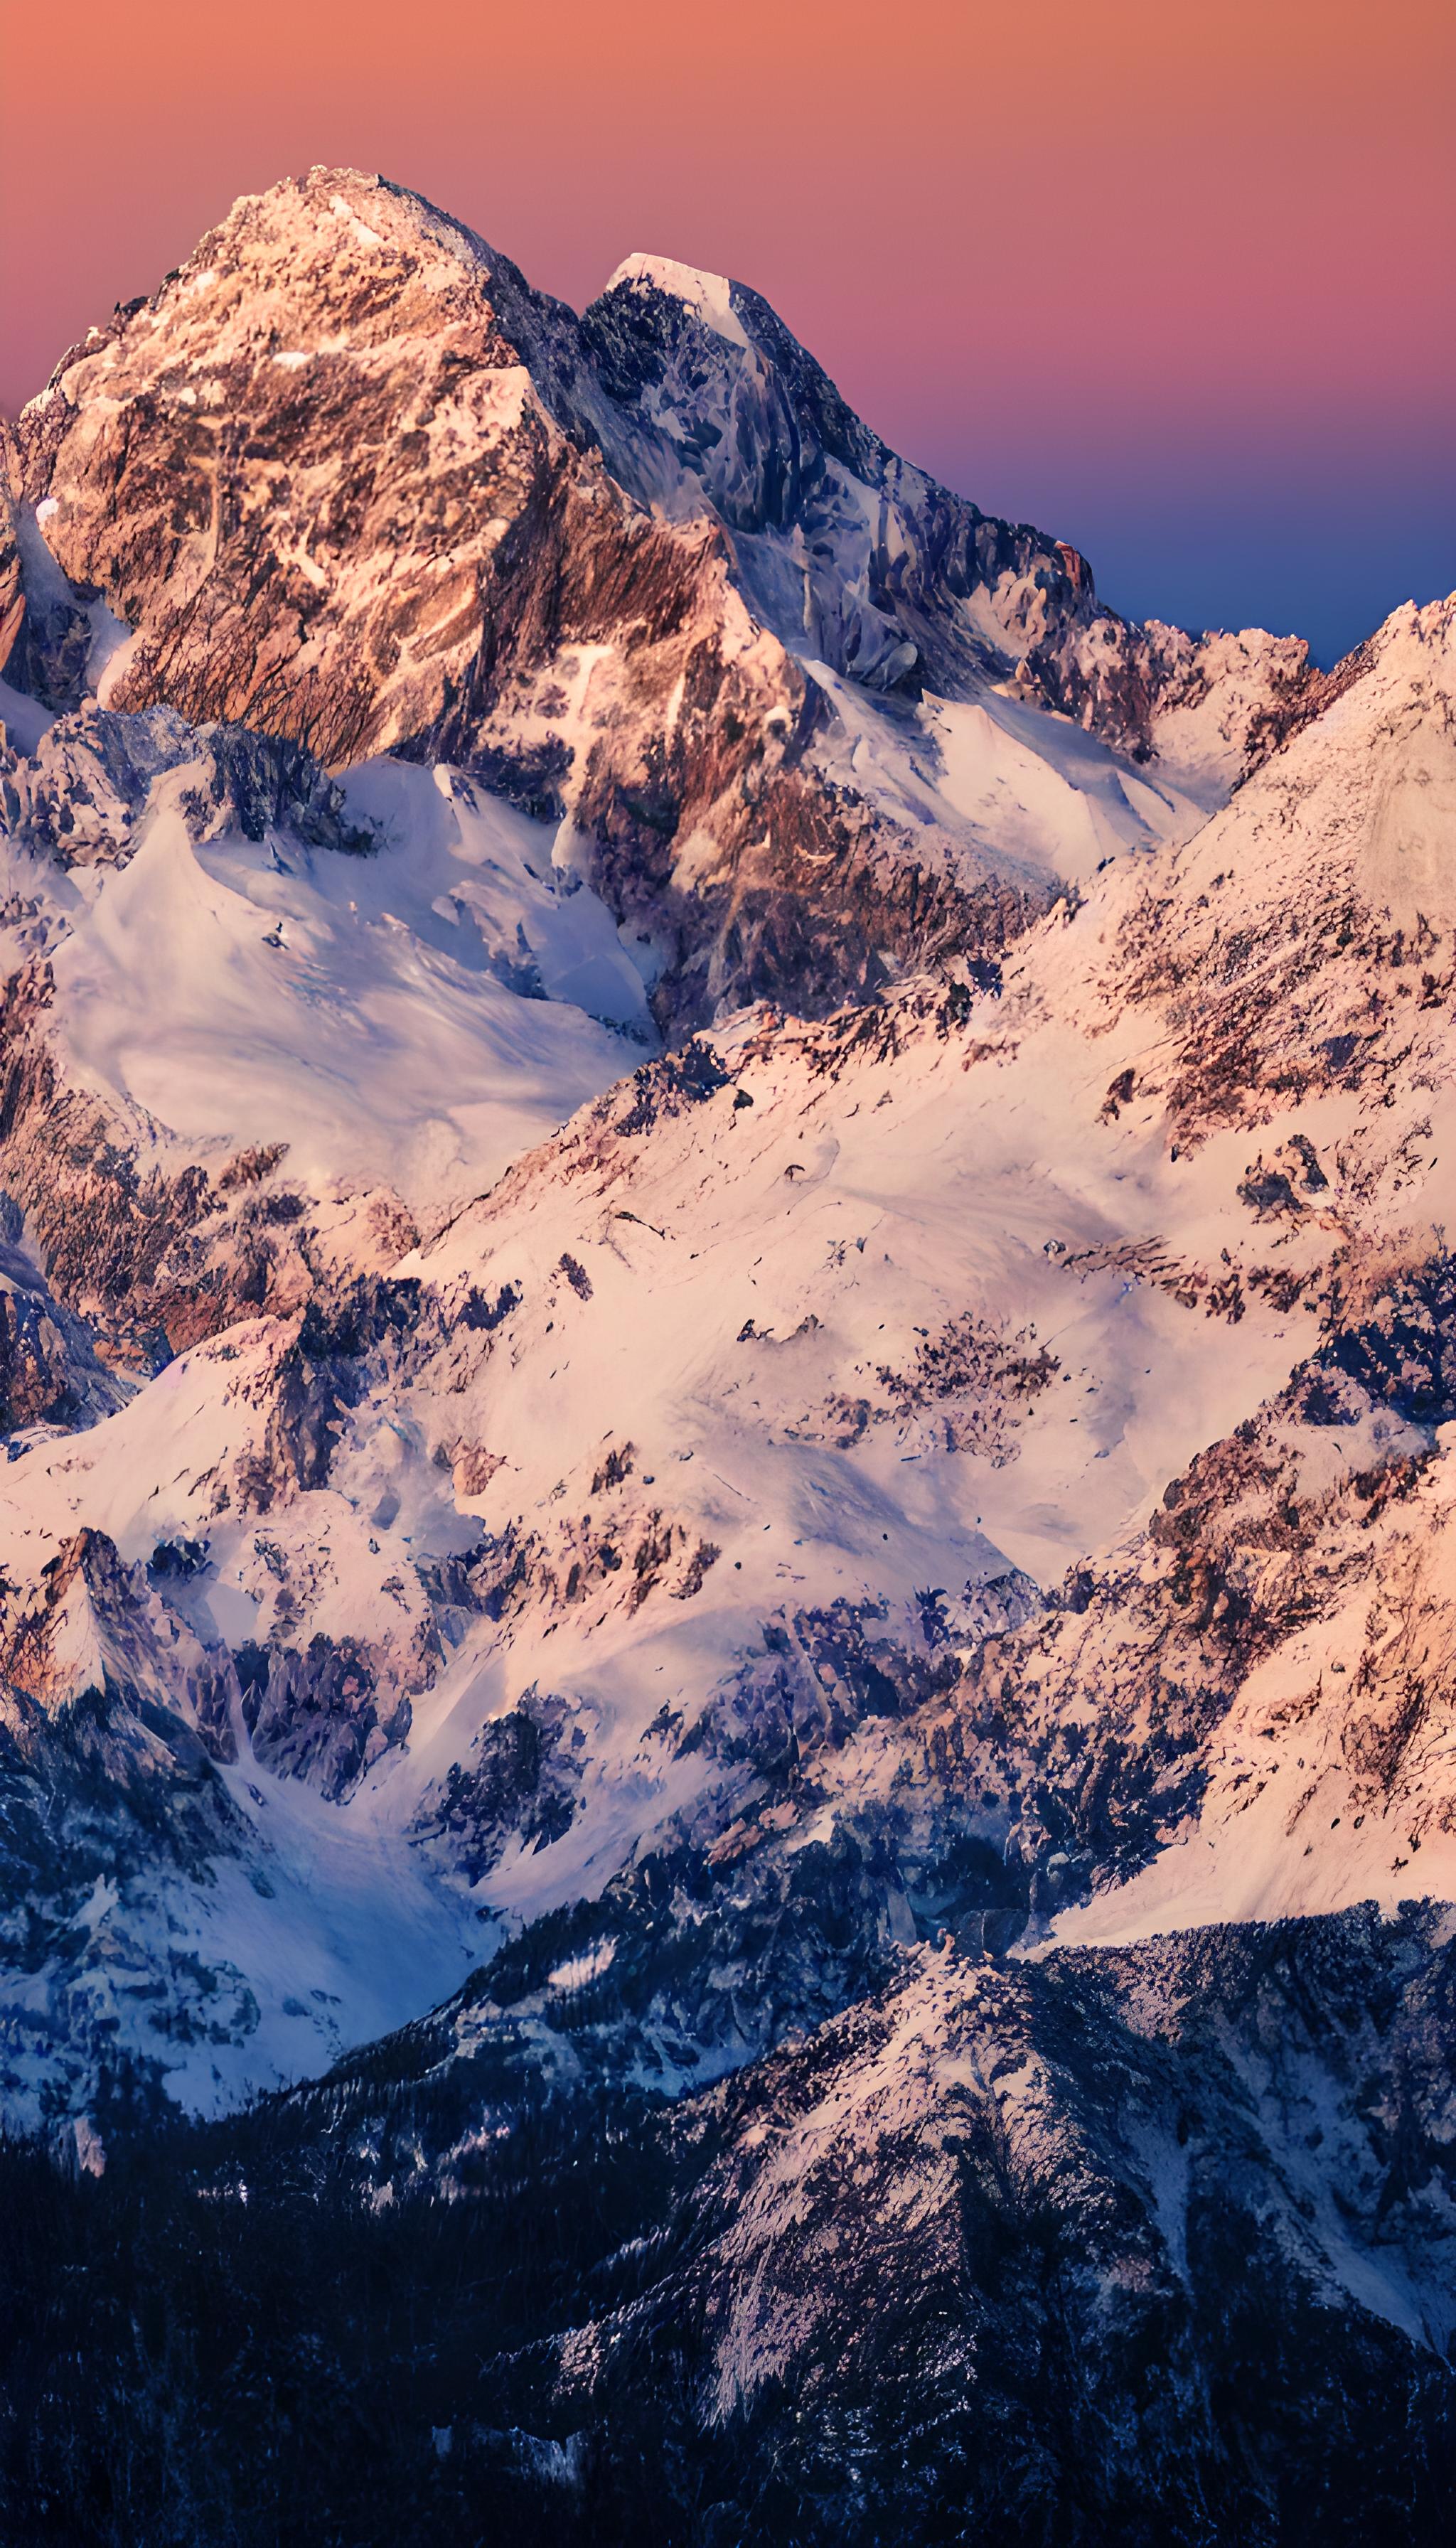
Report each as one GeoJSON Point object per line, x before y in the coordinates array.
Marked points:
{"type": "Point", "coordinates": [80, 793]}
{"type": "Point", "coordinates": [225, 415]}
{"type": "Point", "coordinates": [152, 1257]}
{"type": "Point", "coordinates": [12, 588]}
{"type": "Point", "coordinates": [46, 628]}
{"type": "Point", "coordinates": [321, 1713]}
{"type": "Point", "coordinates": [876, 1570]}
{"type": "Point", "coordinates": [860, 560]}
{"type": "Point", "coordinates": [231, 464]}
{"type": "Point", "coordinates": [50, 1373]}
{"type": "Point", "coordinates": [94, 1629]}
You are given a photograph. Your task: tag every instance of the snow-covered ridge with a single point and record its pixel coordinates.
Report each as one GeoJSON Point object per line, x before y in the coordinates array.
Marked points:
{"type": "Point", "coordinates": [710, 295]}
{"type": "Point", "coordinates": [509, 1437]}
{"type": "Point", "coordinates": [503, 1520]}
{"type": "Point", "coordinates": [856, 557]}
{"type": "Point", "coordinates": [724, 532]}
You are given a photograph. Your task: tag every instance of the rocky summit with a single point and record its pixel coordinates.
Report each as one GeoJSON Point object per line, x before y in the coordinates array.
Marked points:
{"type": "Point", "coordinates": [652, 1887]}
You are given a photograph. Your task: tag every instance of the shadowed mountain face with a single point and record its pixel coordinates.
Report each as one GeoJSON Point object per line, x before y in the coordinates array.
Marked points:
{"type": "Point", "coordinates": [1096, 2247]}
{"type": "Point", "coordinates": [725, 1350]}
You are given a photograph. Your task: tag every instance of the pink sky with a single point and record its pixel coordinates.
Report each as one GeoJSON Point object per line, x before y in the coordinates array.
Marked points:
{"type": "Point", "coordinates": [1173, 280]}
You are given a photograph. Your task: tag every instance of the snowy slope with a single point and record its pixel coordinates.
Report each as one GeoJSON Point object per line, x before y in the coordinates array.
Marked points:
{"type": "Point", "coordinates": [845, 1343]}
{"type": "Point", "coordinates": [877, 1464]}
{"type": "Point", "coordinates": [728, 1390]}
{"type": "Point", "coordinates": [412, 1018]}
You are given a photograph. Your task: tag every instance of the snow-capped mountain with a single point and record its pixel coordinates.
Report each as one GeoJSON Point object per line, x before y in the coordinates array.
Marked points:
{"type": "Point", "coordinates": [347, 478]}
{"type": "Point", "coordinates": [725, 1322]}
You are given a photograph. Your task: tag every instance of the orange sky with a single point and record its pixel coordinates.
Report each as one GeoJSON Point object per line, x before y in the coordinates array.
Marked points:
{"type": "Point", "coordinates": [1174, 280]}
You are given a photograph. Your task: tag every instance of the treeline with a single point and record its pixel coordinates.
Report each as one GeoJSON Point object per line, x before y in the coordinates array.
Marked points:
{"type": "Point", "coordinates": [225, 2341]}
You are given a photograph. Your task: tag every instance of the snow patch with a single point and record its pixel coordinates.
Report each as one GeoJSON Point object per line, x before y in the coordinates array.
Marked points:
{"type": "Point", "coordinates": [415, 1018]}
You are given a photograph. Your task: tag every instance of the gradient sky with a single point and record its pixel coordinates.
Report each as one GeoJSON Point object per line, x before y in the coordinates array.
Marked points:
{"type": "Point", "coordinates": [1173, 281]}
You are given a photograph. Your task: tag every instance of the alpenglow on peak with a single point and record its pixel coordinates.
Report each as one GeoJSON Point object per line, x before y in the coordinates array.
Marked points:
{"type": "Point", "coordinates": [711, 295]}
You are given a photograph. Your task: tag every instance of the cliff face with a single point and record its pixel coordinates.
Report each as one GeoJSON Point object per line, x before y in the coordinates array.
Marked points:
{"type": "Point", "coordinates": [862, 562]}
{"type": "Point", "coordinates": [348, 481]}
{"type": "Point", "coordinates": [727, 1391]}
{"type": "Point", "coordinates": [341, 481]}
{"type": "Point", "coordinates": [929, 1466]}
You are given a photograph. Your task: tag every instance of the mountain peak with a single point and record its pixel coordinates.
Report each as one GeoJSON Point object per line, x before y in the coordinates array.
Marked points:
{"type": "Point", "coordinates": [710, 296]}
{"type": "Point", "coordinates": [603, 1119]}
